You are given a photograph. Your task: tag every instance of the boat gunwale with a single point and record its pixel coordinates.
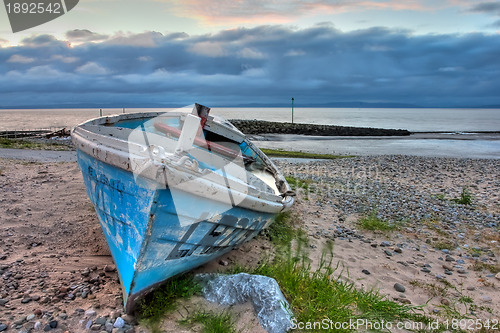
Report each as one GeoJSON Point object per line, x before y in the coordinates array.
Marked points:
{"type": "Point", "coordinates": [114, 151]}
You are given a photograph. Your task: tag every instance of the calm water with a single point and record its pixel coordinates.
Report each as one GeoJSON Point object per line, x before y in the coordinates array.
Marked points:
{"type": "Point", "coordinates": [415, 120]}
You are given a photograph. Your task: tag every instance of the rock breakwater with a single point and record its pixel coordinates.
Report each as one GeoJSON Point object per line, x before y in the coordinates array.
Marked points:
{"type": "Point", "coordinates": [269, 127]}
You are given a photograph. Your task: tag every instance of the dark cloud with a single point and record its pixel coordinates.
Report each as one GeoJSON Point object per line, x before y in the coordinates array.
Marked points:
{"type": "Point", "coordinates": [487, 7]}
{"type": "Point", "coordinates": [84, 35]}
{"type": "Point", "coordinates": [266, 64]}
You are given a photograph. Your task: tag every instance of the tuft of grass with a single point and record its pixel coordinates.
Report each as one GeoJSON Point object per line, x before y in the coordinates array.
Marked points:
{"type": "Point", "coordinates": [164, 299]}
{"type": "Point", "coordinates": [283, 230]}
{"type": "Point", "coordinates": [300, 154]}
{"type": "Point", "coordinates": [24, 144]}
{"type": "Point", "coordinates": [482, 266]}
{"type": "Point", "coordinates": [443, 245]}
{"type": "Point", "coordinates": [211, 322]}
{"type": "Point", "coordinates": [320, 294]}
{"type": "Point", "coordinates": [373, 222]}
{"type": "Point", "coordinates": [465, 197]}
{"type": "Point", "coordinates": [440, 196]}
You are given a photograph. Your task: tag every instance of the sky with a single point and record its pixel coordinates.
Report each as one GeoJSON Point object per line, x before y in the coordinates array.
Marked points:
{"type": "Point", "coordinates": [124, 53]}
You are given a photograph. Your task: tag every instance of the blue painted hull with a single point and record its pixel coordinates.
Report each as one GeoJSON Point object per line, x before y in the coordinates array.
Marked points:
{"type": "Point", "coordinates": [148, 242]}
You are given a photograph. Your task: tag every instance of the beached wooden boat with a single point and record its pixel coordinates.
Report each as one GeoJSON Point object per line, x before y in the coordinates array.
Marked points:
{"type": "Point", "coordinates": [174, 190]}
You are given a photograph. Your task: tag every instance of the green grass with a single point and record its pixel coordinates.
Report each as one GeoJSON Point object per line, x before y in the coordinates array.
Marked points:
{"type": "Point", "coordinates": [164, 299]}
{"type": "Point", "coordinates": [465, 197]}
{"type": "Point", "coordinates": [24, 144]}
{"type": "Point", "coordinates": [211, 322]}
{"type": "Point", "coordinates": [315, 295]}
{"type": "Point", "coordinates": [374, 223]}
{"type": "Point", "coordinates": [300, 154]}
{"type": "Point", "coordinates": [283, 230]}
{"type": "Point", "coordinates": [443, 245]}
{"type": "Point", "coordinates": [482, 266]}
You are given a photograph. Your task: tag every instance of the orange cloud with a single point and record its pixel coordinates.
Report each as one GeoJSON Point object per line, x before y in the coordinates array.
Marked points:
{"type": "Point", "coordinates": [224, 12]}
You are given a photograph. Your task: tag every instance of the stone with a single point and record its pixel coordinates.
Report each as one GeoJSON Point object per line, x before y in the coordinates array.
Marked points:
{"type": "Point", "coordinates": [109, 268]}
{"type": "Point", "coordinates": [425, 270]}
{"type": "Point", "coordinates": [3, 327]}
{"type": "Point", "coordinates": [3, 301]}
{"type": "Point", "coordinates": [108, 327]}
{"type": "Point", "coordinates": [447, 272]}
{"type": "Point", "coordinates": [30, 317]}
{"type": "Point", "coordinates": [19, 321]}
{"type": "Point", "coordinates": [90, 313]}
{"type": "Point", "coordinates": [444, 301]}
{"type": "Point", "coordinates": [37, 326]}
{"type": "Point", "coordinates": [398, 250]}
{"type": "Point", "coordinates": [119, 322]}
{"type": "Point", "coordinates": [486, 299]}
{"type": "Point", "coordinates": [365, 271]}
{"type": "Point", "coordinates": [128, 318]}
{"type": "Point", "coordinates": [497, 276]}
{"type": "Point", "coordinates": [399, 287]}
{"type": "Point", "coordinates": [100, 321]}
{"type": "Point", "coordinates": [26, 300]}
{"type": "Point", "coordinates": [447, 267]}
{"type": "Point", "coordinates": [388, 253]}
{"type": "Point", "coordinates": [223, 262]}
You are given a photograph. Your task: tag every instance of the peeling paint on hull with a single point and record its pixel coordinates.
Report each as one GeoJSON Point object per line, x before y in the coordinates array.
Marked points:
{"type": "Point", "coordinates": [150, 245]}
{"type": "Point", "coordinates": [166, 212]}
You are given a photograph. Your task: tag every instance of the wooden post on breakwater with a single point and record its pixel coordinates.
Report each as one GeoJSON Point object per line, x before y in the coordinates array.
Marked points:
{"type": "Point", "coordinates": [292, 109]}
{"type": "Point", "coordinates": [100, 112]}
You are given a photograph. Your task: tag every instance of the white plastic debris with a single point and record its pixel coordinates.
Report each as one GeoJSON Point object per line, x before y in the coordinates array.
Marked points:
{"type": "Point", "coordinates": [273, 311]}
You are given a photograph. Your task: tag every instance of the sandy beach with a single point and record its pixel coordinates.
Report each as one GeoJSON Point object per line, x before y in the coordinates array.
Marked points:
{"type": "Point", "coordinates": [56, 269]}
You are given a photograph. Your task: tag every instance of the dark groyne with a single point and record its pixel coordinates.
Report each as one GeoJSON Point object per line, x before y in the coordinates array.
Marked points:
{"type": "Point", "coordinates": [269, 127]}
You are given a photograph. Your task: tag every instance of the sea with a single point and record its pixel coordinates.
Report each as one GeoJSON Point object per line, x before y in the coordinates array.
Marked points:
{"type": "Point", "coordinates": [469, 133]}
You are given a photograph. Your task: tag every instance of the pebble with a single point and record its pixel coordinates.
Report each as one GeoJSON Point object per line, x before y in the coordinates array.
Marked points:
{"type": "Point", "coordinates": [3, 301]}
{"type": "Point", "coordinates": [447, 267]}
{"type": "Point", "coordinates": [128, 318]}
{"type": "Point", "coordinates": [90, 313]}
{"type": "Point", "coordinates": [398, 250]}
{"type": "Point", "coordinates": [399, 287]}
{"type": "Point", "coordinates": [109, 268]}
{"type": "Point", "coordinates": [388, 253]}
{"type": "Point", "coordinates": [426, 270]}
{"type": "Point", "coordinates": [3, 327]}
{"type": "Point", "coordinates": [365, 271]}
{"type": "Point", "coordinates": [497, 276]}
{"type": "Point", "coordinates": [444, 301]}
{"type": "Point", "coordinates": [119, 323]}
{"type": "Point", "coordinates": [486, 299]}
